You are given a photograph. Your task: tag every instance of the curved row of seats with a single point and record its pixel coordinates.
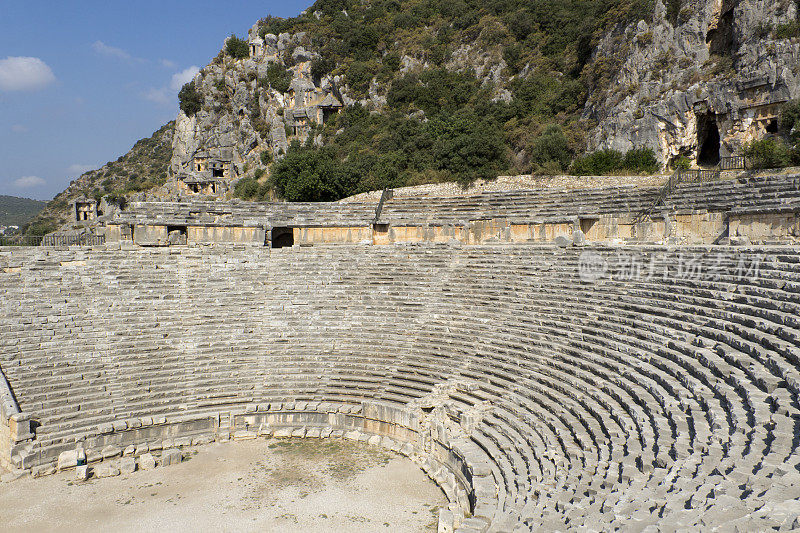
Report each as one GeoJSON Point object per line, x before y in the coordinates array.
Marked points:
{"type": "Point", "coordinates": [524, 205]}
{"type": "Point", "coordinates": [661, 396]}
{"type": "Point", "coordinates": [720, 195]}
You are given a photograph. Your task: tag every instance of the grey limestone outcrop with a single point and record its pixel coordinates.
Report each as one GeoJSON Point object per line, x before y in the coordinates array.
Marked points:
{"type": "Point", "coordinates": [705, 65]}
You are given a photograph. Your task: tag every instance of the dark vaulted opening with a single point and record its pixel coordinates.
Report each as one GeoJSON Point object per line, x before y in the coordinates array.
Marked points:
{"type": "Point", "coordinates": [707, 140]}
{"type": "Point", "coordinates": [282, 237]}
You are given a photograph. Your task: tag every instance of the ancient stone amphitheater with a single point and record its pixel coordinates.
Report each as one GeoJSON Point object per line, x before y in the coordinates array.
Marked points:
{"type": "Point", "coordinates": [612, 384]}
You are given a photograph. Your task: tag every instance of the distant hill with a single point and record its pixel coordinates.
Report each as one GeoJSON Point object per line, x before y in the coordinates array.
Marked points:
{"type": "Point", "coordinates": [17, 211]}
{"type": "Point", "coordinates": [143, 168]}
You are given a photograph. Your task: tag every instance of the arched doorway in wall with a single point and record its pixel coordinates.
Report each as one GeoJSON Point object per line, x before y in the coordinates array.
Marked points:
{"type": "Point", "coordinates": [282, 237]}
{"type": "Point", "coordinates": [708, 140]}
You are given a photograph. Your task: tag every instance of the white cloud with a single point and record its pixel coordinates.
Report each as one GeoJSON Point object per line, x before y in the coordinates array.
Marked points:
{"type": "Point", "coordinates": [159, 96]}
{"type": "Point", "coordinates": [179, 79]}
{"type": "Point", "coordinates": [78, 169]}
{"type": "Point", "coordinates": [110, 51]}
{"type": "Point", "coordinates": [26, 182]}
{"type": "Point", "coordinates": [166, 95]}
{"type": "Point", "coordinates": [24, 74]}
{"type": "Point", "coordinates": [106, 50]}
{"type": "Point", "coordinates": [166, 63]}
{"type": "Point", "coordinates": [19, 128]}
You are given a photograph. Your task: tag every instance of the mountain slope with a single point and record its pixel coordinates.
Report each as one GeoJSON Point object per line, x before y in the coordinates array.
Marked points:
{"type": "Point", "coordinates": [16, 211]}
{"type": "Point", "coordinates": [142, 168]}
{"type": "Point", "coordinates": [432, 91]}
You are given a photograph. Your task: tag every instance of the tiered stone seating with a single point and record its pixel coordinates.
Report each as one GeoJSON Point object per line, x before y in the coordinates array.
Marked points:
{"type": "Point", "coordinates": [765, 192]}
{"type": "Point", "coordinates": [539, 397]}
{"type": "Point", "coordinates": [239, 213]}
{"type": "Point", "coordinates": [557, 204]}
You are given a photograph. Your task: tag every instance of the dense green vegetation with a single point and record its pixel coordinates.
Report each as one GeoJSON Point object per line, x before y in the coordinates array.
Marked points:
{"type": "Point", "coordinates": [191, 101]}
{"type": "Point", "coordinates": [278, 78]}
{"type": "Point", "coordinates": [237, 48]}
{"type": "Point", "coordinates": [637, 161]}
{"type": "Point", "coordinates": [446, 122]}
{"type": "Point", "coordinates": [782, 150]}
{"type": "Point", "coordinates": [16, 211]}
{"type": "Point", "coordinates": [788, 30]}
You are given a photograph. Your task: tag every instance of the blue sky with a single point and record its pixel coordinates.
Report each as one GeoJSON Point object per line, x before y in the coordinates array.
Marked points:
{"type": "Point", "coordinates": [82, 81]}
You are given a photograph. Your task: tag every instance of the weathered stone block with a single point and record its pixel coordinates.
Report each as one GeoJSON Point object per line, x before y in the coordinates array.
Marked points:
{"type": "Point", "coordinates": [171, 456]}
{"type": "Point", "coordinates": [147, 461]}
{"type": "Point", "coordinates": [68, 459]}
{"type": "Point", "coordinates": [82, 473]}
{"type": "Point", "coordinates": [107, 470]}
{"type": "Point", "coordinates": [127, 465]}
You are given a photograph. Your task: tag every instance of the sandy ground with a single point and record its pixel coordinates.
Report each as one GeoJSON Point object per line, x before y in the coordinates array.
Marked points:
{"type": "Point", "coordinates": [258, 485]}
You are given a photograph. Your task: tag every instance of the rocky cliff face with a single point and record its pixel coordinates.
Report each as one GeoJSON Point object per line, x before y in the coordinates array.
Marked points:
{"type": "Point", "coordinates": [249, 109]}
{"type": "Point", "coordinates": [246, 112]}
{"type": "Point", "coordinates": [704, 78]}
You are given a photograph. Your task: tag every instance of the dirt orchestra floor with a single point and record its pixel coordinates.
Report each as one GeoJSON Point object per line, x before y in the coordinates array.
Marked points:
{"type": "Point", "coordinates": [278, 485]}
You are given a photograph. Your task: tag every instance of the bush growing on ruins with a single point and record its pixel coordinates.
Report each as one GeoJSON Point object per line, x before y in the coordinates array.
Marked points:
{"type": "Point", "coordinates": [39, 228]}
{"type": "Point", "coordinates": [466, 146]}
{"type": "Point", "coordinates": [191, 101]}
{"type": "Point", "coordinates": [249, 189]}
{"type": "Point", "coordinates": [359, 76]}
{"type": "Point", "coordinates": [266, 157]}
{"type": "Point", "coordinates": [273, 25]}
{"type": "Point", "coordinates": [237, 48]}
{"type": "Point", "coordinates": [322, 66]}
{"type": "Point", "coordinates": [768, 153]}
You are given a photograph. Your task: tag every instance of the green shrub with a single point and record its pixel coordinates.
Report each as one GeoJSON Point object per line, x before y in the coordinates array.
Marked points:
{"type": "Point", "coordinates": [598, 163]}
{"type": "Point", "coordinates": [642, 161]}
{"type": "Point", "coordinates": [673, 10]}
{"type": "Point", "coordinates": [191, 101]}
{"type": "Point", "coordinates": [768, 153]}
{"type": "Point", "coordinates": [277, 78]}
{"type": "Point", "coordinates": [550, 151]}
{"type": "Point", "coordinates": [322, 66]}
{"type": "Point", "coordinates": [40, 227]}
{"type": "Point", "coordinates": [359, 76]}
{"type": "Point", "coordinates": [637, 160]}
{"type": "Point", "coordinates": [467, 146]}
{"type": "Point", "coordinates": [392, 61]}
{"type": "Point", "coordinates": [248, 189]}
{"type": "Point", "coordinates": [266, 157]}
{"type": "Point", "coordinates": [273, 25]}
{"type": "Point", "coordinates": [513, 54]}
{"type": "Point", "coordinates": [789, 121]}
{"type": "Point", "coordinates": [311, 175]}
{"type": "Point", "coordinates": [237, 48]}
{"type": "Point", "coordinates": [788, 30]}
{"type": "Point", "coordinates": [681, 163]}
